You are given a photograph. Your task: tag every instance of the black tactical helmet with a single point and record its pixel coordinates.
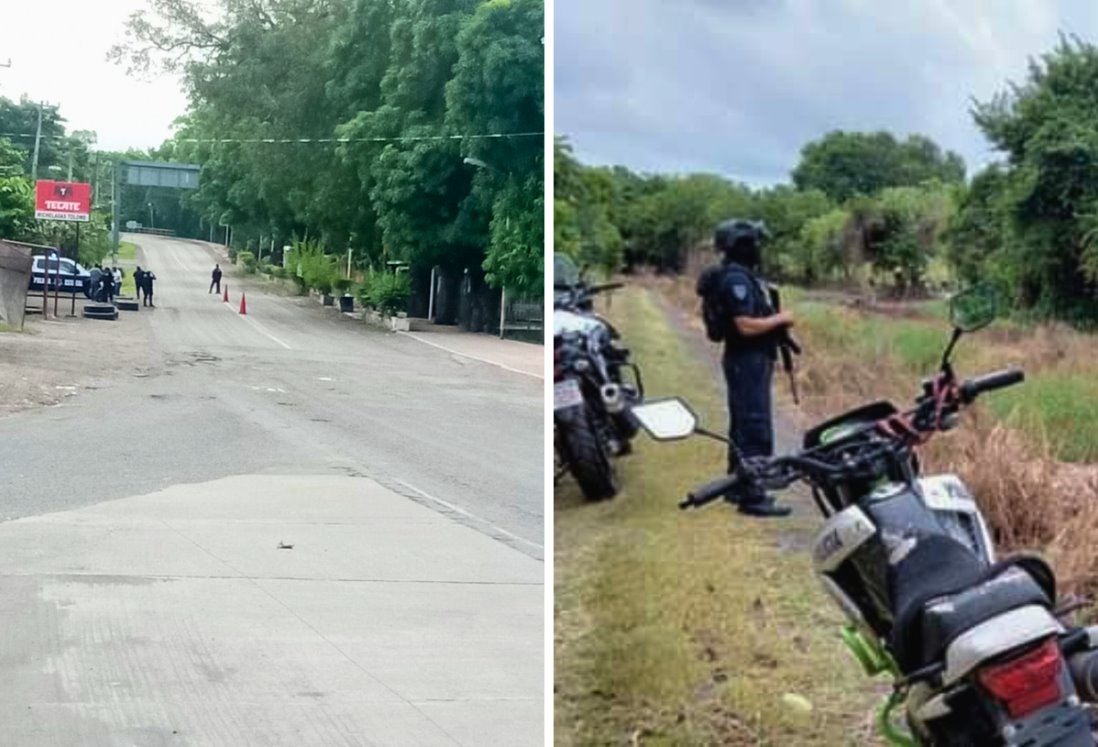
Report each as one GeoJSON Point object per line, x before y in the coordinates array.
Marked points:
{"type": "Point", "coordinates": [740, 241]}
{"type": "Point", "coordinates": [735, 230]}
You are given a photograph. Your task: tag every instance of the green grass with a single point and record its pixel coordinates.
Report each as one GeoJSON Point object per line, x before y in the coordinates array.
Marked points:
{"type": "Point", "coordinates": [914, 343]}
{"type": "Point", "coordinates": [689, 628]}
{"type": "Point", "coordinates": [127, 251]}
{"type": "Point", "coordinates": [1060, 407]}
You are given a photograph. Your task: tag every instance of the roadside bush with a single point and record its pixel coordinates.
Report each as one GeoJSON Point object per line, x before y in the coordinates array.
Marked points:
{"type": "Point", "coordinates": [322, 279]}
{"type": "Point", "coordinates": [247, 261]}
{"type": "Point", "coordinates": [386, 292]}
{"type": "Point", "coordinates": [342, 285]}
{"type": "Point", "coordinates": [233, 252]}
{"type": "Point", "coordinates": [317, 269]}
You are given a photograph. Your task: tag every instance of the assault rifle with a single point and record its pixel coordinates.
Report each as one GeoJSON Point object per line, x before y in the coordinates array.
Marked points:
{"type": "Point", "coordinates": [787, 346]}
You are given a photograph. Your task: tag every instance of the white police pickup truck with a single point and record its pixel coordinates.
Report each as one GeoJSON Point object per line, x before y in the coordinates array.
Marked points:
{"type": "Point", "coordinates": [74, 278]}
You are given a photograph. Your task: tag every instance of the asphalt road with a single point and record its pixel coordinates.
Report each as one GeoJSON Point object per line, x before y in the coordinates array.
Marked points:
{"type": "Point", "coordinates": [285, 389]}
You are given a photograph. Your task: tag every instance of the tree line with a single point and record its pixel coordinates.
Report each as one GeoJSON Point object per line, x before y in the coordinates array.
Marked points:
{"type": "Point", "coordinates": [895, 213]}
{"type": "Point", "coordinates": [423, 117]}
{"type": "Point", "coordinates": [422, 122]}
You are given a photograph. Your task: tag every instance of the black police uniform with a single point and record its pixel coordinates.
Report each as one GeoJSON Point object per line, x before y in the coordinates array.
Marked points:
{"type": "Point", "coordinates": [748, 367]}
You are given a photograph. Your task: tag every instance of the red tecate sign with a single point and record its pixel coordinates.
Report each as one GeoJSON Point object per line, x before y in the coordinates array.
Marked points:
{"type": "Point", "coordinates": [62, 201]}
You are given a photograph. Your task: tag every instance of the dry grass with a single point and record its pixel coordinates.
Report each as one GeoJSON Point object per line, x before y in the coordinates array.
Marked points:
{"type": "Point", "coordinates": [1030, 454]}
{"type": "Point", "coordinates": [1030, 500]}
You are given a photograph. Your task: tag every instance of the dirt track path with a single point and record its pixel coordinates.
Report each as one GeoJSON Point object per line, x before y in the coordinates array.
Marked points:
{"type": "Point", "coordinates": [661, 636]}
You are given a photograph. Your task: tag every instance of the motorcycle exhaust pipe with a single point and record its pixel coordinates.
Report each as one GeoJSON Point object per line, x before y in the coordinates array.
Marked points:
{"type": "Point", "coordinates": [612, 398]}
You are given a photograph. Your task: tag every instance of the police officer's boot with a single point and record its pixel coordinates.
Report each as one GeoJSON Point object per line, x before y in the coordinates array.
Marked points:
{"type": "Point", "coordinates": [762, 505]}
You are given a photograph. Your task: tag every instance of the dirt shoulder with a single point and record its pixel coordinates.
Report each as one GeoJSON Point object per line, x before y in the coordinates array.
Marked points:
{"type": "Point", "coordinates": [51, 361]}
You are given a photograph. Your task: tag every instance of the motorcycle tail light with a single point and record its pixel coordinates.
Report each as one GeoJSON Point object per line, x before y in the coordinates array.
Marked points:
{"type": "Point", "coordinates": [1025, 684]}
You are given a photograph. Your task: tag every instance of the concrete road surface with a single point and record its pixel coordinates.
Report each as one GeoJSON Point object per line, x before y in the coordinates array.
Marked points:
{"type": "Point", "coordinates": [408, 481]}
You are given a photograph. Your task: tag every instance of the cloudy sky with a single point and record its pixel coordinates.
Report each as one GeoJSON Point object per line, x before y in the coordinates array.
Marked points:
{"type": "Point", "coordinates": [738, 86]}
{"type": "Point", "coordinates": [58, 54]}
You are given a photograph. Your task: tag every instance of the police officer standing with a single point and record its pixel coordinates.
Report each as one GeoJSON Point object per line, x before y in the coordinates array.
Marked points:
{"type": "Point", "coordinates": [750, 350]}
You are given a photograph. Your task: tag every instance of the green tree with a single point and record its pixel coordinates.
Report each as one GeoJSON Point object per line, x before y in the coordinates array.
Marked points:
{"type": "Point", "coordinates": [786, 211]}
{"type": "Point", "coordinates": [1048, 129]}
{"type": "Point", "coordinates": [846, 164]}
{"type": "Point", "coordinates": [582, 204]}
{"type": "Point", "coordinates": [408, 88]}
{"type": "Point", "coordinates": [819, 251]}
{"type": "Point", "coordinates": [980, 228]}
{"type": "Point", "coordinates": [498, 86]}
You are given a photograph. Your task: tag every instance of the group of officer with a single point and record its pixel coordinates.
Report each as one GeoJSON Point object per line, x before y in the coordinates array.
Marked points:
{"type": "Point", "coordinates": [107, 283]}
{"type": "Point", "coordinates": [753, 333]}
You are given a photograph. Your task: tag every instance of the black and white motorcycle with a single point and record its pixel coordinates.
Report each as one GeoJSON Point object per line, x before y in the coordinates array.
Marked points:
{"type": "Point", "coordinates": [976, 648]}
{"type": "Point", "coordinates": [594, 385]}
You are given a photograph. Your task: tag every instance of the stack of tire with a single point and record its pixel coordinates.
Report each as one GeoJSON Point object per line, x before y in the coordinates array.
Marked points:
{"type": "Point", "coordinates": [127, 303]}
{"type": "Point", "coordinates": [106, 311]}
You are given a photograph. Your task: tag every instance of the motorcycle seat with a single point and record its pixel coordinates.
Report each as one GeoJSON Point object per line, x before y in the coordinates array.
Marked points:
{"type": "Point", "coordinates": [928, 620]}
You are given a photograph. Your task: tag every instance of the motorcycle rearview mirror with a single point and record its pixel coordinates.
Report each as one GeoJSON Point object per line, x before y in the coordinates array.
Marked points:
{"type": "Point", "coordinates": [974, 308]}
{"type": "Point", "coordinates": [666, 419]}
{"type": "Point", "coordinates": [969, 311]}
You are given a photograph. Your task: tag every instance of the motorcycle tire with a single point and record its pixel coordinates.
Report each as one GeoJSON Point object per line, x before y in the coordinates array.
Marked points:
{"type": "Point", "coordinates": [588, 459]}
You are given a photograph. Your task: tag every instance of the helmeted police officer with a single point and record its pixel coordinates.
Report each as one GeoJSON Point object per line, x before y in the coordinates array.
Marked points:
{"type": "Point", "coordinates": [750, 351]}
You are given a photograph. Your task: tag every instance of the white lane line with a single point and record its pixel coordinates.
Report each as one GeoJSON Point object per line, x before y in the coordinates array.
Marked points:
{"type": "Point", "coordinates": [257, 325]}
{"type": "Point", "coordinates": [472, 357]}
{"type": "Point", "coordinates": [473, 516]}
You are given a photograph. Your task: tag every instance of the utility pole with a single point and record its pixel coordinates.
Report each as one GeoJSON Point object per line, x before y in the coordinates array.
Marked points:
{"type": "Point", "coordinates": [95, 182]}
{"type": "Point", "coordinates": [70, 162]}
{"type": "Point", "coordinates": [37, 143]}
{"type": "Point", "coordinates": [116, 193]}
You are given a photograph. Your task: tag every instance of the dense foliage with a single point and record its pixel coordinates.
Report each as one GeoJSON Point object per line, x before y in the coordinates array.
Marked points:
{"type": "Point", "coordinates": [611, 216]}
{"type": "Point", "coordinates": [1033, 221]}
{"type": "Point", "coordinates": [404, 92]}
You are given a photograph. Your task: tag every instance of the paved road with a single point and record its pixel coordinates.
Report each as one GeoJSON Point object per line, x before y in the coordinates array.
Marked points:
{"type": "Point", "coordinates": [281, 528]}
{"type": "Point", "coordinates": [284, 388]}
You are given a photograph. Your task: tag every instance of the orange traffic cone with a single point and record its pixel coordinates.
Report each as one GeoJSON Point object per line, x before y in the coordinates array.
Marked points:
{"type": "Point", "coordinates": [225, 298]}
{"type": "Point", "coordinates": [243, 304]}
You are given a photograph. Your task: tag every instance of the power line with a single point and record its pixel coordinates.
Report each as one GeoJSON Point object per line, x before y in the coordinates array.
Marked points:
{"type": "Point", "coordinates": [284, 141]}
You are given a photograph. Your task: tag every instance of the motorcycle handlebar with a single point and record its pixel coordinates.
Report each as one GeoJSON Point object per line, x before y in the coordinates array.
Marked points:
{"type": "Point", "coordinates": [785, 470]}
{"type": "Point", "coordinates": [709, 492]}
{"type": "Point", "coordinates": [972, 388]}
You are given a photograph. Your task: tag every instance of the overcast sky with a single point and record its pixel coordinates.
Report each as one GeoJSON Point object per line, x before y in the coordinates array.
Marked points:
{"type": "Point", "coordinates": [738, 86]}
{"type": "Point", "coordinates": [58, 53]}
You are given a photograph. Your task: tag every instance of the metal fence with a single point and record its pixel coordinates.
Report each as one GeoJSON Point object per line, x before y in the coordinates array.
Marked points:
{"type": "Point", "coordinates": [466, 300]}
{"type": "Point", "coordinates": [521, 317]}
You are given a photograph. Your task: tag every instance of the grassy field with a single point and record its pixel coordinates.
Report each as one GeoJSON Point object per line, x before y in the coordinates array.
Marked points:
{"type": "Point", "coordinates": [1058, 403]}
{"type": "Point", "coordinates": [698, 628]}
